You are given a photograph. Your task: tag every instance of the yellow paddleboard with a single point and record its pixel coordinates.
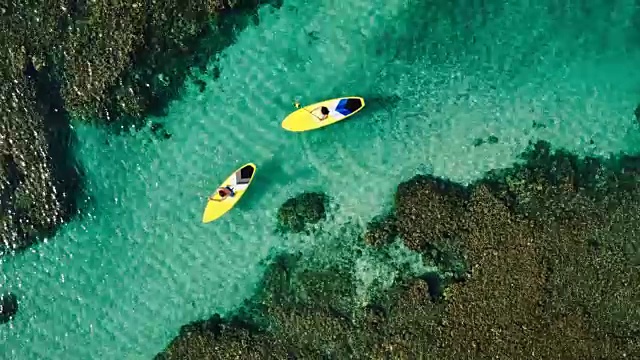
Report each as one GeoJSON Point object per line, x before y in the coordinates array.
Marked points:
{"type": "Point", "coordinates": [239, 181]}
{"type": "Point", "coordinates": [309, 117]}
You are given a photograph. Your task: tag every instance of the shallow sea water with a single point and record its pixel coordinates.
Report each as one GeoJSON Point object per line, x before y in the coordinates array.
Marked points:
{"type": "Point", "coordinates": [120, 281]}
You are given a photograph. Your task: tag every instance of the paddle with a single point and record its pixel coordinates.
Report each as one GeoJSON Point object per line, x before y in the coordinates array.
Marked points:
{"type": "Point", "coordinates": [296, 103]}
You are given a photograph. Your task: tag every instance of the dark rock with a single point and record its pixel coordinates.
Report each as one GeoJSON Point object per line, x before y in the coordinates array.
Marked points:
{"type": "Point", "coordinates": [490, 140]}
{"type": "Point", "coordinates": [553, 167]}
{"type": "Point", "coordinates": [202, 86]}
{"type": "Point", "coordinates": [212, 325]}
{"type": "Point", "coordinates": [637, 113]}
{"type": "Point", "coordinates": [8, 307]}
{"type": "Point", "coordinates": [216, 325]}
{"type": "Point", "coordinates": [302, 210]}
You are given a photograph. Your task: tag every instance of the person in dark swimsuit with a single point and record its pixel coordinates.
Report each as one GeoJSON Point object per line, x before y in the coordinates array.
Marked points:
{"type": "Point", "coordinates": [325, 112]}
{"type": "Point", "coordinates": [224, 192]}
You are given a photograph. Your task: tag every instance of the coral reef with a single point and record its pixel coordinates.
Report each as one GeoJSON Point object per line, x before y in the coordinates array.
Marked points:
{"type": "Point", "coordinates": [144, 65]}
{"type": "Point", "coordinates": [39, 180]}
{"type": "Point", "coordinates": [556, 281]}
{"type": "Point", "coordinates": [427, 209]}
{"type": "Point", "coordinates": [381, 230]}
{"type": "Point", "coordinates": [121, 58]}
{"type": "Point", "coordinates": [307, 313]}
{"type": "Point", "coordinates": [113, 62]}
{"type": "Point", "coordinates": [430, 217]}
{"type": "Point", "coordinates": [216, 338]}
{"type": "Point", "coordinates": [296, 214]}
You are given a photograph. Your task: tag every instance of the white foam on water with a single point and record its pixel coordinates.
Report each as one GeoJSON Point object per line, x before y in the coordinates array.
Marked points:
{"type": "Point", "coordinates": [119, 283]}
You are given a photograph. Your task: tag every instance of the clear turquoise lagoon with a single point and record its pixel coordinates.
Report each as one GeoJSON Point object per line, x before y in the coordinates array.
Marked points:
{"type": "Point", "coordinates": [118, 282]}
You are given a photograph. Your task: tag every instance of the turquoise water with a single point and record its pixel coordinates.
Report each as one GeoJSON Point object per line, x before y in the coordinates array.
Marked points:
{"type": "Point", "coordinates": [119, 282]}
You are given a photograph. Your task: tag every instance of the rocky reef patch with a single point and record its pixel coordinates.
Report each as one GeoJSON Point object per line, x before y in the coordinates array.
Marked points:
{"type": "Point", "coordinates": [109, 63]}
{"type": "Point", "coordinates": [300, 212]}
{"type": "Point", "coordinates": [550, 252]}
{"type": "Point", "coordinates": [39, 178]}
{"type": "Point", "coordinates": [381, 230]}
{"type": "Point", "coordinates": [157, 47]}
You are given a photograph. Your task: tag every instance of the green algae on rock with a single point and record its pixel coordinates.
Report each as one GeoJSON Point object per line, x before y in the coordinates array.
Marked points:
{"type": "Point", "coordinates": [299, 212]}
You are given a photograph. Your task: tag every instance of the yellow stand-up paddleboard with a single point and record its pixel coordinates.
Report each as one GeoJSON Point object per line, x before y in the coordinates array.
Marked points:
{"type": "Point", "coordinates": [310, 116]}
{"type": "Point", "coordinates": [239, 181]}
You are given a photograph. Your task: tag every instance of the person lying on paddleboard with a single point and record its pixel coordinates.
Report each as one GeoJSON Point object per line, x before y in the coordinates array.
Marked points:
{"type": "Point", "coordinates": [324, 111]}
{"type": "Point", "coordinates": [224, 192]}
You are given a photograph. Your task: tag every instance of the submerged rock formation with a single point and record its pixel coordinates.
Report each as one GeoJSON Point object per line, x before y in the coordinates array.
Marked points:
{"type": "Point", "coordinates": [303, 313]}
{"type": "Point", "coordinates": [149, 54]}
{"type": "Point", "coordinates": [427, 209]}
{"type": "Point", "coordinates": [218, 338]}
{"type": "Point", "coordinates": [430, 218]}
{"type": "Point", "coordinates": [121, 58]}
{"type": "Point", "coordinates": [552, 249]}
{"type": "Point", "coordinates": [113, 62]}
{"type": "Point", "coordinates": [8, 307]}
{"type": "Point", "coordinates": [38, 177]}
{"type": "Point", "coordinates": [296, 214]}
{"type": "Point", "coordinates": [554, 275]}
